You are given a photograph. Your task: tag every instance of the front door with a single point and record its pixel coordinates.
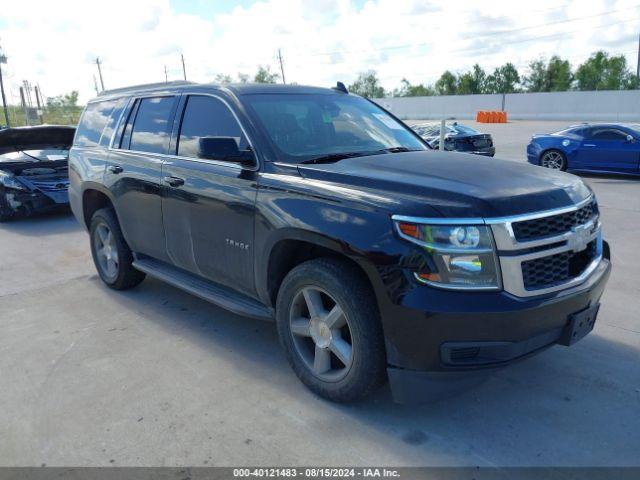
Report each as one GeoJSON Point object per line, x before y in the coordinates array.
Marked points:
{"type": "Point", "coordinates": [208, 206]}
{"type": "Point", "coordinates": [608, 148]}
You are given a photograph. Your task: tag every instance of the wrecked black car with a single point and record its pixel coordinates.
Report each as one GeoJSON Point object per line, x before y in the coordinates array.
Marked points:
{"type": "Point", "coordinates": [33, 169]}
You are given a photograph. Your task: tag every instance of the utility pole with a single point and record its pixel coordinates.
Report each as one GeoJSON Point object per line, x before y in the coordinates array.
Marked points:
{"type": "Point", "coordinates": [638, 64]}
{"type": "Point", "coordinates": [281, 66]}
{"type": "Point", "coordinates": [37, 90]}
{"type": "Point", "coordinates": [3, 59]}
{"type": "Point", "coordinates": [184, 70]}
{"type": "Point", "coordinates": [98, 63]}
{"type": "Point", "coordinates": [166, 77]}
{"type": "Point", "coordinates": [24, 106]}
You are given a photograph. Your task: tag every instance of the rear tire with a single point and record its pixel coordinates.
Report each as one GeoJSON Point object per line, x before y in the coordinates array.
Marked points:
{"type": "Point", "coordinates": [111, 254]}
{"type": "Point", "coordinates": [554, 159]}
{"type": "Point", "coordinates": [330, 329]}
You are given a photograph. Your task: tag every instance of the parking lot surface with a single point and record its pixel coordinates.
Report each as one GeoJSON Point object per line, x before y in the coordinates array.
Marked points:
{"type": "Point", "coordinates": [155, 376]}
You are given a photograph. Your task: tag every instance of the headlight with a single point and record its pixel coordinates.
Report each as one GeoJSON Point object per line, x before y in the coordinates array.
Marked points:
{"type": "Point", "coordinates": [458, 256]}
{"type": "Point", "coordinates": [7, 180]}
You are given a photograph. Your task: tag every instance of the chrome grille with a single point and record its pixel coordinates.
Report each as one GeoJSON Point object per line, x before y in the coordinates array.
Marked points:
{"type": "Point", "coordinates": [554, 225]}
{"type": "Point", "coordinates": [544, 252]}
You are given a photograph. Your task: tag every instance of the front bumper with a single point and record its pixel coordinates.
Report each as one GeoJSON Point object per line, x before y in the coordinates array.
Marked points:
{"type": "Point", "coordinates": [25, 202]}
{"type": "Point", "coordinates": [438, 337]}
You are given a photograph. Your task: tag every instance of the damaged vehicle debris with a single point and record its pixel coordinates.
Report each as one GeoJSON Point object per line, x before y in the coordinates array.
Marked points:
{"type": "Point", "coordinates": [34, 173]}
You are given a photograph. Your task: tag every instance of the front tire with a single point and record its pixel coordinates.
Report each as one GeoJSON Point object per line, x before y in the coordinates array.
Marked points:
{"type": "Point", "coordinates": [554, 159]}
{"type": "Point", "coordinates": [111, 254]}
{"type": "Point", "coordinates": [330, 329]}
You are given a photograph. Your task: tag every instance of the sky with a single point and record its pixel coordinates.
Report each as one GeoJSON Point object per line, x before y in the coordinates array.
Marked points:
{"type": "Point", "coordinates": [54, 44]}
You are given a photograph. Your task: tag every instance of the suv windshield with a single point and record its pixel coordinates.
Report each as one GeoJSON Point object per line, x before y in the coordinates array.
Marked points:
{"type": "Point", "coordinates": [304, 127]}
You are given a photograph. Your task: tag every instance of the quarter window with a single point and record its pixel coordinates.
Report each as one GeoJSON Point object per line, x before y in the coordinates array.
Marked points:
{"type": "Point", "coordinates": [107, 133]}
{"type": "Point", "coordinates": [92, 123]}
{"type": "Point", "coordinates": [207, 117]}
{"type": "Point", "coordinates": [150, 132]}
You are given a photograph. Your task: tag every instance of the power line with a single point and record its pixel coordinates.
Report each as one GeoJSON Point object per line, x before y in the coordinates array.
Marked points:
{"type": "Point", "coordinates": [480, 35]}
{"type": "Point", "coordinates": [525, 40]}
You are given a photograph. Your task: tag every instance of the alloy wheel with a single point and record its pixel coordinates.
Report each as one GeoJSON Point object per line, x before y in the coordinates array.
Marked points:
{"type": "Point", "coordinates": [321, 334]}
{"type": "Point", "coordinates": [106, 250]}
{"type": "Point", "coordinates": [553, 160]}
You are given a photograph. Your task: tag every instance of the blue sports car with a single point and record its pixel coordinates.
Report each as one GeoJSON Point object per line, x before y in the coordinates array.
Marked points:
{"type": "Point", "coordinates": [602, 147]}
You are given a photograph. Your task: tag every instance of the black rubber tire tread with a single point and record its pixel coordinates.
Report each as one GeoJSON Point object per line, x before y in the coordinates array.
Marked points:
{"type": "Point", "coordinates": [128, 276]}
{"type": "Point", "coordinates": [348, 287]}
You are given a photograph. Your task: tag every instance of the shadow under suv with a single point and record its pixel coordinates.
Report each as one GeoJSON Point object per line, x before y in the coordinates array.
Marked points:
{"type": "Point", "coordinates": [376, 256]}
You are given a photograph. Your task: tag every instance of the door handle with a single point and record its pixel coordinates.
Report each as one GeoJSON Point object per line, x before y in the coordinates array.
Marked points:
{"type": "Point", "coordinates": [115, 169]}
{"type": "Point", "coordinates": [588, 145]}
{"type": "Point", "coordinates": [174, 181]}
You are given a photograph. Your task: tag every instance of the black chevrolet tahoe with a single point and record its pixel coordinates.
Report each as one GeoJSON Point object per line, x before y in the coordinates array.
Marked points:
{"type": "Point", "coordinates": [377, 257]}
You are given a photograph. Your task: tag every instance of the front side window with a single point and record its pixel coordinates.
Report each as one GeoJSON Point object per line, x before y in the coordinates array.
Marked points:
{"type": "Point", "coordinates": [607, 134]}
{"type": "Point", "coordinates": [94, 119]}
{"type": "Point", "coordinates": [303, 127]}
{"type": "Point", "coordinates": [207, 117]}
{"type": "Point", "coordinates": [150, 132]}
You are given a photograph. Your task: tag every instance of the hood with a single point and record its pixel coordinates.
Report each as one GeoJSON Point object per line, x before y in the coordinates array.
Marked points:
{"type": "Point", "coordinates": [454, 184]}
{"type": "Point", "coordinates": [36, 138]}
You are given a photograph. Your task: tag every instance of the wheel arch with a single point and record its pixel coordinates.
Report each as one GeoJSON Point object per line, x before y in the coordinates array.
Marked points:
{"type": "Point", "coordinates": [95, 197]}
{"type": "Point", "coordinates": [291, 247]}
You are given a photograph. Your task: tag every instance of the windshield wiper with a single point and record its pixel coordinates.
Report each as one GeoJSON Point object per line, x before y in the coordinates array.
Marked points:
{"type": "Point", "coordinates": [335, 157]}
{"type": "Point", "coordinates": [398, 149]}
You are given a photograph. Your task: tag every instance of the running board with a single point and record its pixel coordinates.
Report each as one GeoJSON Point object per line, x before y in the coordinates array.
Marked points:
{"type": "Point", "coordinates": [205, 289]}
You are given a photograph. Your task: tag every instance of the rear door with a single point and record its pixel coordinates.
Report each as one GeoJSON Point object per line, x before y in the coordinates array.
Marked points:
{"type": "Point", "coordinates": [607, 148]}
{"type": "Point", "coordinates": [208, 206]}
{"type": "Point", "coordinates": [134, 173]}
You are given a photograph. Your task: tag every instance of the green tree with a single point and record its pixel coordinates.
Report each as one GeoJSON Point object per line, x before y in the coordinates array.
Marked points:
{"type": "Point", "coordinates": [602, 72]}
{"type": "Point", "coordinates": [68, 100]}
{"type": "Point", "coordinates": [536, 79]}
{"type": "Point", "coordinates": [408, 90]}
{"type": "Point", "coordinates": [223, 79]}
{"type": "Point", "coordinates": [504, 79]}
{"type": "Point", "coordinates": [264, 75]}
{"type": "Point", "coordinates": [559, 76]}
{"type": "Point", "coordinates": [552, 76]}
{"type": "Point", "coordinates": [447, 84]}
{"type": "Point", "coordinates": [472, 82]}
{"type": "Point", "coordinates": [368, 85]}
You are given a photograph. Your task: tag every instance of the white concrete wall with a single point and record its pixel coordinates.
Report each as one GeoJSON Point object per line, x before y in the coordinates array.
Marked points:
{"type": "Point", "coordinates": [616, 105]}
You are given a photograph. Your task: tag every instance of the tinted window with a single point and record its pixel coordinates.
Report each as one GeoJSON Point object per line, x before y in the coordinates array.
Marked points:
{"type": "Point", "coordinates": [607, 134]}
{"type": "Point", "coordinates": [207, 117]}
{"type": "Point", "coordinates": [107, 133]}
{"type": "Point", "coordinates": [150, 131]}
{"type": "Point", "coordinates": [92, 123]}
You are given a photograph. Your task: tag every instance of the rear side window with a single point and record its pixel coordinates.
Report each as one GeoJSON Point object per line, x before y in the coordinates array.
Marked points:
{"type": "Point", "coordinates": [92, 123]}
{"type": "Point", "coordinates": [107, 133]}
{"type": "Point", "coordinates": [207, 117]}
{"type": "Point", "coordinates": [150, 132]}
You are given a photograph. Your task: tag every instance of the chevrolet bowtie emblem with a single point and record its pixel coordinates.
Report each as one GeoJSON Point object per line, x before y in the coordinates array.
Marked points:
{"type": "Point", "coordinates": [580, 238]}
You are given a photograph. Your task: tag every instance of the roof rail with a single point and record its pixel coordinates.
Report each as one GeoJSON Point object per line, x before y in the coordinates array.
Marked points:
{"type": "Point", "coordinates": [174, 83]}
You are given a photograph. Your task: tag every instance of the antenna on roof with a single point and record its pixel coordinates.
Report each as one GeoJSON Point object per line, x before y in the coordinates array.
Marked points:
{"type": "Point", "coordinates": [340, 87]}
